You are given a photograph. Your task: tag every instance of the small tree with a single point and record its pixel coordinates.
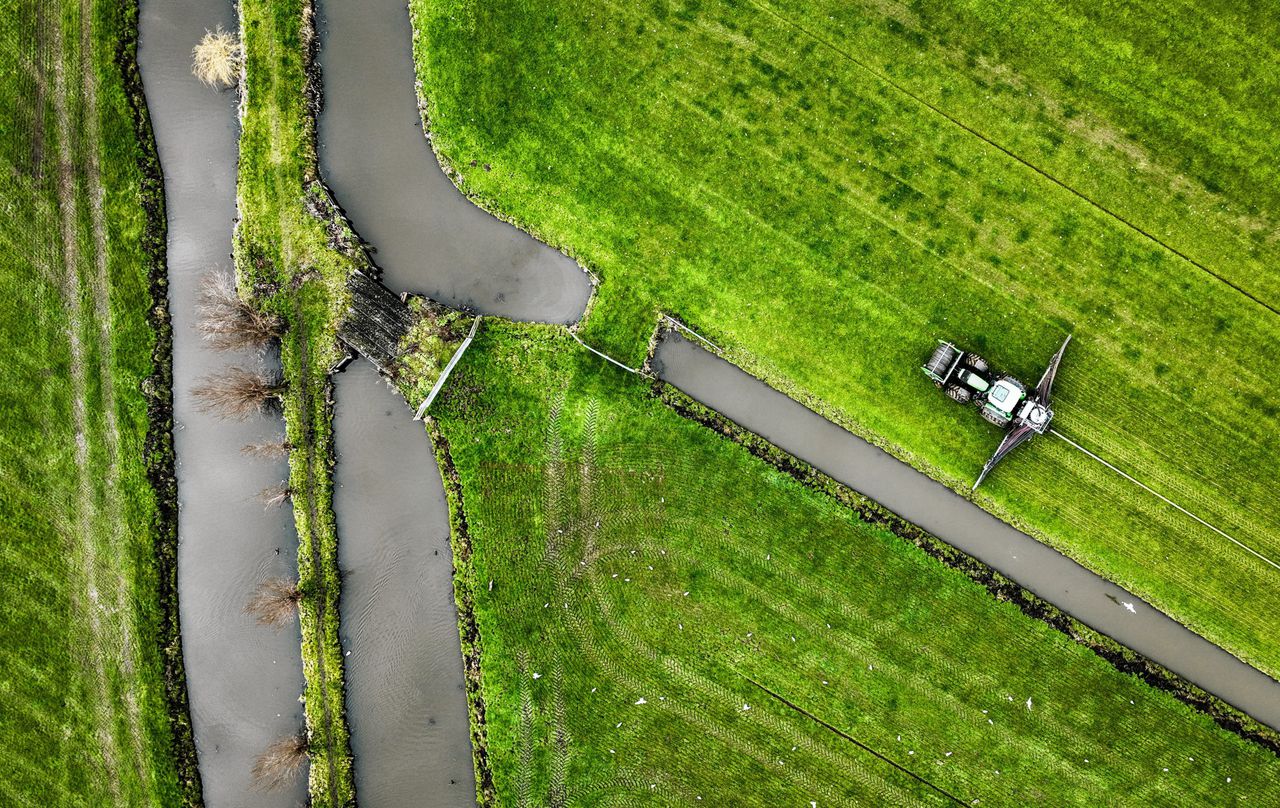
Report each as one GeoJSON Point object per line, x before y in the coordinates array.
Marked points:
{"type": "Point", "coordinates": [275, 603]}
{"type": "Point", "coordinates": [216, 58]}
{"type": "Point", "coordinates": [267, 450]}
{"type": "Point", "coordinates": [237, 393]}
{"type": "Point", "coordinates": [229, 323]}
{"type": "Point", "coordinates": [281, 762]}
{"type": "Point", "coordinates": [275, 495]}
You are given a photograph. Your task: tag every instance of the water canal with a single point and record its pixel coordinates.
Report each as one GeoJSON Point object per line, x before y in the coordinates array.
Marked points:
{"type": "Point", "coordinates": [934, 507]}
{"type": "Point", "coordinates": [244, 679]}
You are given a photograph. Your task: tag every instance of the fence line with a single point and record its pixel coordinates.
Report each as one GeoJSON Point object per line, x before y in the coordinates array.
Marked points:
{"type": "Point", "coordinates": [689, 330]}
{"type": "Point", "coordinates": [603, 355]}
{"type": "Point", "coordinates": [1151, 490]}
{"type": "Point", "coordinates": [422, 408]}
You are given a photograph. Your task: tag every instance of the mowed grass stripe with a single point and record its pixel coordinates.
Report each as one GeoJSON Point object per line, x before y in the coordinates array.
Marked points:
{"type": "Point", "coordinates": [824, 229]}
{"type": "Point", "coordinates": [593, 509]}
{"type": "Point", "coordinates": [995, 145]}
{"type": "Point", "coordinates": [82, 686]}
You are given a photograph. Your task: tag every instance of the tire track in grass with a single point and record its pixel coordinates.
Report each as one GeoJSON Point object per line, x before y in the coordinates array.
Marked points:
{"type": "Point", "coordinates": [849, 57]}
{"type": "Point", "coordinates": [802, 711]}
{"type": "Point", "coordinates": [100, 287]}
{"type": "Point", "coordinates": [706, 690]}
{"type": "Point", "coordinates": [83, 545]}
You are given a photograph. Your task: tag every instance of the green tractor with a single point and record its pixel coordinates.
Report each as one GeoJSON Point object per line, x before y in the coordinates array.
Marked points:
{"type": "Point", "coordinates": [1002, 399]}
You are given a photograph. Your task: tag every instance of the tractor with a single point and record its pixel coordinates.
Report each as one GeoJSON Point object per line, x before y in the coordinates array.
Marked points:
{"type": "Point", "coordinates": [1001, 399]}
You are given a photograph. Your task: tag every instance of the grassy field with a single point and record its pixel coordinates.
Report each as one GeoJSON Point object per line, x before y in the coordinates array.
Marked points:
{"type": "Point", "coordinates": [92, 698]}
{"type": "Point", "coordinates": [825, 189]}
{"type": "Point", "coordinates": [282, 250]}
{"type": "Point", "coordinates": [663, 617]}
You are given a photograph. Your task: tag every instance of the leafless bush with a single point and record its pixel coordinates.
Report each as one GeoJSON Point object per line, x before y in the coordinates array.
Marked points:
{"type": "Point", "coordinates": [280, 763]}
{"type": "Point", "coordinates": [275, 603]}
{"type": "Point", "coordinates": [216, 58]}
{"type": "Point", "coordinates": [237, 393]}
{"type": "Point", "coordinates": [229, 323]}
{"type": "Point", "coordinates": [275, 495]}
{"type": "Point", "coordinates": [267, 450]}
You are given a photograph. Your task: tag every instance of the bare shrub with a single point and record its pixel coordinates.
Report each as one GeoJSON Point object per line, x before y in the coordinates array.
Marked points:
{"type": "Point", "coordinates": [237, 393]}
{"type": "Point", "coordinates": [275, 603]}
{"type": "Point", "coordinates": [280, 763]}
{"type": "Point", "coordinates": [216, 58]}
{"type": "Point", "coordinates": [229, 323]}
{"type": "Point", "coordinates": [275, 495]}
{"type": "Point", "coordinates": [267, 450]}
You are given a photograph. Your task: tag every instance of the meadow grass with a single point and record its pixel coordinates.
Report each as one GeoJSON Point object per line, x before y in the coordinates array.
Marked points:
{"type": "Point", "coordinates": [825, 189]}
{"type": "Point", "coordinates": [664, 617]}
{"type": "Point", "coordinates": [92, 695]}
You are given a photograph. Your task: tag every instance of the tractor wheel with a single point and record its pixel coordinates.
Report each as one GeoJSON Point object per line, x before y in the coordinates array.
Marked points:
{"type": "Point", "coordinates": [957, 393]}
{"type": "Point", "coordinates": [978, 363]}
{"type": "Point", "coordinates": [996, 418]}
{"type": "Point", "coordinates": [941, 360]}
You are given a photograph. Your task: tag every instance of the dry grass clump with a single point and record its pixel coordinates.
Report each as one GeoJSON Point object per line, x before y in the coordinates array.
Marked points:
{"type": "Point", "coordinates": [237, 393]}
{"type": "Point", "coordinates": [275, 495]}
{"type": "Point", "coordinates": [276, 602]}
{"type": "Point", "coordinates": [229, 323]}
{"type": "Point", "coordinates": [280, 763]}
{"type": "Point", "coordinates": [216, 58]}
{"type": "Point", "coordinates": [267, 450]}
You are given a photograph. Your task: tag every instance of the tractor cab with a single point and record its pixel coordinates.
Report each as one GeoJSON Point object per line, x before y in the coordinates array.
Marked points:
{"type": "Point", "coordinates": [1003, 397]}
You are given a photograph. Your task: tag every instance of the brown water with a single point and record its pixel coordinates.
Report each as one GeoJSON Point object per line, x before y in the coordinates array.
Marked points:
{"type": "Point", "coordinates": [381, 169]}
{"type": "Point", "coordinates": [244, 680]}
{"type": "Point", "coordinates": [405, 695]}
{"type": "Point", "coordinates": [931, 505]}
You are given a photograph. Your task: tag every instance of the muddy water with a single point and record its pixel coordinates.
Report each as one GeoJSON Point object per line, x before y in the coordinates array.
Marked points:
{"type": "Point", "coordinates": [244, 680]}
{"type": "Point", "coordinates": [918, 499]}
{"type": "Point", "coordinates": [382, 170]}
{"type": "Point", "coordinates": [405, 695]}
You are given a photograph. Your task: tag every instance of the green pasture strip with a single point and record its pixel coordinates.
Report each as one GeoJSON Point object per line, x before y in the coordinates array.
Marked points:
{"type": "Point", "coordinates": [662, 616]}
{"type": "Point", "coordinates": [92, 698]}
{"type": "Point", "coordinates": [731, 164]}
{"type": "Point", "coordinates": [285, 261]}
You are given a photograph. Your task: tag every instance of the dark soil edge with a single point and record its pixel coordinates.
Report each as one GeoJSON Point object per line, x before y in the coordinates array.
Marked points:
{"type": "Point", "coordinates": [158, 452]}
{"type": "Point", "coordinates": [464, 584]}
{"type": "Point", "coordinates": [1123, 659]}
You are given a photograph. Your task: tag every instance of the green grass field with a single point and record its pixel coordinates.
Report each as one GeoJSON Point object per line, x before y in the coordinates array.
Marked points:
{"type": "Point", "coordinates": [664, 617]}
{"type": "Point", "coordinates": [825, 189]}
{"type": "Point", "coordinates": [281, 247]}
{"type": "Point", "coordinates": [91, 673]}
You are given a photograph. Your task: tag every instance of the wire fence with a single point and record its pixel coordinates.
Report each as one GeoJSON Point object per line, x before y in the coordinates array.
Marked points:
{"type": "Point", "coordinates": [1151, 490]}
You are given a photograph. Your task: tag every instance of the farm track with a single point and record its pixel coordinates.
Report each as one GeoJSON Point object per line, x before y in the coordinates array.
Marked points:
{"type": "Point", "coordinates": [864, 66]}
{"type": "Point", "coordinates": [84, 542]}
{"type": "Point", "coordinates": [100, 287]}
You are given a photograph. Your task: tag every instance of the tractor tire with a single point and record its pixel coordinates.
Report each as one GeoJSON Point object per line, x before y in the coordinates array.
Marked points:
{"type": "Point", "coordinates": [941, 360]}
{"type": "Point", "coordinates": [978, 363]}
{"type": "Point", "coordinates": [959, 394]}
{"type": "Point", "coordinates": [995, 418]}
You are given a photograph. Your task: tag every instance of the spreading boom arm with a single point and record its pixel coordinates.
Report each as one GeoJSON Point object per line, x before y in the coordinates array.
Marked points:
{"type": "Point", "coordinates": [1023, 431]}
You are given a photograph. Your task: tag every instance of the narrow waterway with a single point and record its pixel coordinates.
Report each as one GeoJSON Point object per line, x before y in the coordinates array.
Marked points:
{"type": "Point", "coordinates": [405, 695]}
{"type": "Point", "coordinates": [931, 505]}
{"type": "Point", "coordinates": [380, 167]}
{"type": "Point", "coordinates": [244, 679]}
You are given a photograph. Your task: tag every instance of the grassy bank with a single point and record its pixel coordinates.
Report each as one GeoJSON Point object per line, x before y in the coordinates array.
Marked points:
{"type": "Point", "coordinates": [293, 256]}
{"type": "Point", "coordinates": [92, 695]}
{"type": "Point", "coordinates": [661, 616]}
{"type": "Point", "coordinates": [825, 189]}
